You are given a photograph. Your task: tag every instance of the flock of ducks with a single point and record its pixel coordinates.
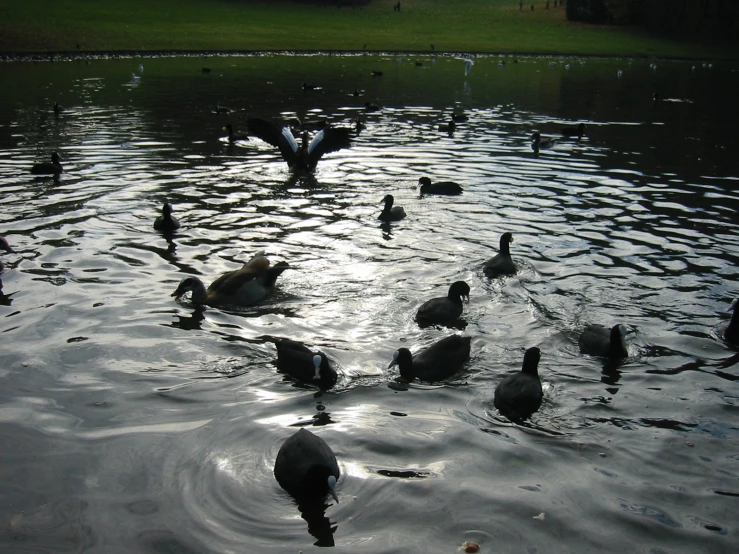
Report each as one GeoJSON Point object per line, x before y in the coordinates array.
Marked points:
{"type": "Point", "coordinates": [305, 466]}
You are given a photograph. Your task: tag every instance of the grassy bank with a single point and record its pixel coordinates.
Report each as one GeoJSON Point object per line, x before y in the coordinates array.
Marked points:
{"type": "Point", "coordinates": [496, 26]}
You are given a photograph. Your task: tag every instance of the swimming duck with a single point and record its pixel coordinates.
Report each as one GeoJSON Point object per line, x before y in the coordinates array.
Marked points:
{"type": "Point", "coordinates": [242, 287]}
{"type": "Point", "coordinates": [459, 117]}
{"type": "Point", "coordinates": [597, 340]}
{"type": "Point", "coordinates": [519, 395]}
{"type": "Point", "coordinates": [222, 110]}
{"type": "Point", "coordinates": [300, 157]}
{"type": "Point", "coordinates": [58, 108]}
{"type": "Point", "coordinates": [731, 333]}
{"type": "Point", "coordinates": [232, 136]}
{"type": "Point", "coordinates": [306, 87]}
{"type": "Point", "coordinates": [573, 130]}
{"type": "Point", "coordinates": [54, 167]}
{"type": "Point", "coordinates": [437, 362]}
{"type": "Point", "coordinates": [5, 246]}
{"type": "Point", "coordinates": [368, 107]}
{"type": "Point", "coordinates": [445, 187]}
{"type": "Point", "coordinates": [166, 222]}
{"type": "Point", "coordinates": [537, 142]}
{"type": "Point", "coordinates": [390, 212]}
{"type": "Point", "coordinates": [300, 362]}
{"type": "Point", "coordinates": [376, 73]}
{"type": "Point", "coordinates": [444, 309]}
{"type": "Point", "coordinates": [306, 467]}
{"type": "Point", "coordinates": [501, 263]}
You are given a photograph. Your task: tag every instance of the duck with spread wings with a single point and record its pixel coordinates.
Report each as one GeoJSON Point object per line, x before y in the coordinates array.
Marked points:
{"type": "Point", "coordinates": [303, 156]}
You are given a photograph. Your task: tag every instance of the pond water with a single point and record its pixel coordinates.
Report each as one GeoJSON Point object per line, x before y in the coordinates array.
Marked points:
{"type": "Point", "coordinates": [133, 422]}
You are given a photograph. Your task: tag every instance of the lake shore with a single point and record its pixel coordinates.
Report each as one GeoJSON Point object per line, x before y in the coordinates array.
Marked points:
{"type": "Point", "coordinates": [79, 28]}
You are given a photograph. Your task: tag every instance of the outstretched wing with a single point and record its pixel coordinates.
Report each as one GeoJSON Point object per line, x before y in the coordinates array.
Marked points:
{"type": "Point", "coordinates": [276, 135]}
{"type": "Point", "coordinates": [327, 140]}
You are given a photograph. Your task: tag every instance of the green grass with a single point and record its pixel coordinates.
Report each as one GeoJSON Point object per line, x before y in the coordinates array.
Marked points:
{"type": "Point", "coordinates": [494, 26]}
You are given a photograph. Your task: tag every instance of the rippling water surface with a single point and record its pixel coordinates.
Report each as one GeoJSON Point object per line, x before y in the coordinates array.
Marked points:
{"type": "Point", "coordinates": [132, 422]}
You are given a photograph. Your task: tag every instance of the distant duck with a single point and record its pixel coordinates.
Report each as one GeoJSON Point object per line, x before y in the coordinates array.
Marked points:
{"type": "Point", "coordinates": [166, 222]}
{"type": "Point", "coordinates": [573, 130]}
{"type": "Point", "coordinates": [306, 467]}
{"type": "Point", "coordinates": [241, 287]}
{"type": "Point", "coordinates": [306, 87]}
{"type": "Point", "coordinates": [448, 188]}
{"type": "Point", "coordinates": [419, 64]}
{"type": "Point", "coordinates": [205, 70]}
{"type": "Point", "coordinates": [518, 396]}
{"type": "Point", "coordinates": [501, 263]}
{"type": "Point", "coordinates": [468, 66]}
{"type": "Point", "coordinates": [390, 212]}
{"type": "Point", "coordinates": [301, 157]}
{"type": "Point", "coordinates": [300, 362]}
{"type": "Point", "coordinates": [537, 142]}
{"type": "Point", "coordinates": [597, 340]}
{"type": "Point", "coordinates": [731, 333]}
{"type": "Point", "coordinates": [459, 117]}
{"type": "Point", "coordinates": [54, 167]}
{"type": "Point", "coordinates": [233, 136]}
{"type": "Point", "coordinates": [377, 73]}
{"type": "Point", "coordinates": [619, 73]}
{"type": "Point", "coordinates": [135, 78]}
{"type": "Point", "coordinates": [444, 309]}
{"type": "Point", "coordinates": [358, 124]}
{"type": "Point", "coordinates": [58, 108]}
{"type": "Point", "coordinates": [437, 362]}
{"type": "Point", "coordinates": [141, 68]}
{"type": "Point", "coordinates": [368, 107]}
{"type": "Point", "coordinates": [222, 110]}
{"type": "Point", "coordinates": [6, 247]}
{"type": "Point", "coordinates": [448, 127]}
{"type": "Point", "coordinates": [357, 92]}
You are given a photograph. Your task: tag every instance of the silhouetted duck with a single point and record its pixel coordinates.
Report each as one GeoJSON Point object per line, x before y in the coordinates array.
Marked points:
{"type": "Point", "coordinates": [437, 362]}
{"type": "Point", "coordinates": [519, 395]}
{"type": "Point", "coordinates": [445, 309]}
{"type": "Point", "coordinates": [5, 246]}
{"type": "Point", "coordinates": [166, 222]}
{"type": "Point", "coordinates": [233, 136]}
{"type": "Point", "coordinates": [306, 87]}
{"type": "Point", "coordinates": [573, 130]}
{"type": "Point", "coordinates": [537, 142]}
{"type": "Point", "coordinates": [58, 108]}
{"type": "Point", "coordinates": [241, 287]}
{"type": "Point", "coordinates": [205, 69]}
{"type": "Point", "coordinates": [390, 212]}
{"type": "Point", "coordinates": [306, 467]}
{"type": "Point", "coordinates": [303, 156]}
{"type": "Point", "coordinates": [459, 117]}
{"type": "Point", "coordinates": [300, 362]}
{"type": "Point", "coordinates": [501, 263]}
{"type": "Point", "coordinates": [597, 340]}
{"type": "Point", "coordinates": [731, 333]}
{"type": "Point", "coordinates": [54, 167]}
{"type": "Point", "coordinates": [222, 110]}
{"type": "Point", "coordinates": [445, 187]}
{"type": "Point", "coordinates": [368, 107]}
{"type": "Point", "coordinates": [377, 73]}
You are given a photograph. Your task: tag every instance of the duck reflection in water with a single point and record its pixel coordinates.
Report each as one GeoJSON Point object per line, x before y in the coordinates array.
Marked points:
{"type": "Point", "coordinates": [5, 299]}
{"type": "Point", "coordinates": [301, 157]}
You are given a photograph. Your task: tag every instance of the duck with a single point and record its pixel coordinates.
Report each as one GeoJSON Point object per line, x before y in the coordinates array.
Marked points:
{"type": "Point", "coordinates": [447, 188]}
{"type": "Point", "coordinates": [537, 142]}
{"type": "Point", "coordinates": [518, 396]}
{"type": "Point", "coordinates": [306, 87]}
{"type": "Point", "coordinates": [731, 333]}
{"type": "Point", "coordinates": [448, 127]}
{"type": "Point", "coordinates": [501, 263]}
{"type": "Point", "coordinates": [7, 248]}
{"type": "Point", "coordinates": [573, 130]}
{"type": "Point", "coordinates": [369, 107]}
{"type": "Point", "coordinates": [301, 157]}
{"type": "Point", "coordinates": [232, 136]}
{"type": "Point", "coordinates": [222, 110]}
{"type": "Point", "coordinates": [54, 167]}
{"type": "Point", "coordinates": [436, 362]}
{"type": "Point", "coordinates": [444, 309]}
{"type": "Point", "coordinates": [166, 222]}
{"type": "Point", "coordinates": [300, 362]}
{"type": "Point", "coordinates": [306, 467]}
{"type": "Point", "coordinates": [390, 212]}
{"type": "Point", "coordinates": [58, 108]}
{"type": "Point", "coordinates": [242, 287]}
{"type": "Point", "coordinates": [597, 340]}
{"type": "Point", "coordinates": [459, 117]}
{"type": "Point", "coordinates": [376, 73]}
